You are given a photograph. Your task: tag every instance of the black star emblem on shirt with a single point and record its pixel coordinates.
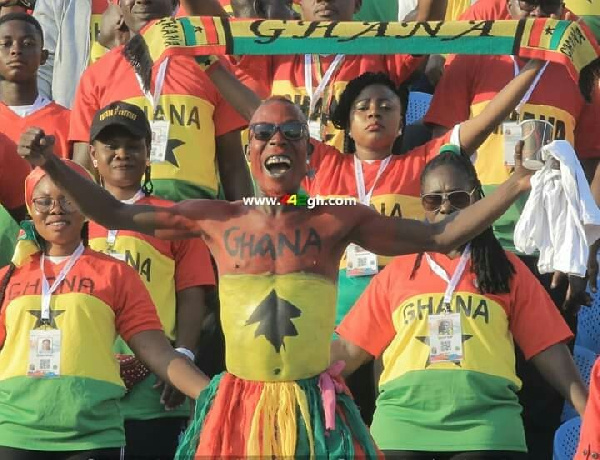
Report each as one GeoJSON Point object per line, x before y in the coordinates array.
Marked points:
{"type": "Point", "coordinates": [50, 322]}
{"type": "Point", "coordinates": [549, 30]}
{"type": "Point", "coordinates": [425, 340]}
{"type": "Point", "coordinates": [172, 144]}
{"type": "Point", "coordinates": [274, 316]}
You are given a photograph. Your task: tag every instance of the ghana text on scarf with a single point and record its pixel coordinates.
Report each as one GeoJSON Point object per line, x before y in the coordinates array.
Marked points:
{"type": "Point", "coordinates": [564, 42]}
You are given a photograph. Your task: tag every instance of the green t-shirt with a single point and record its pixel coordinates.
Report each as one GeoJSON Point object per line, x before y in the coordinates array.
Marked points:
{"type": "Point", "coordinates": [8, 236]}
{"type": "Point", "coordinates": [378, 10]}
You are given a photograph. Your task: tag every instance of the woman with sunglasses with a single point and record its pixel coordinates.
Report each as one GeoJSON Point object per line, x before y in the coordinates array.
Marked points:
{"type": "Point", "coordinates": [371, 112]}
{"type": "Point", "coordinates": [445, 327]}
{"type": "Point", "coordinates": [61, 307]}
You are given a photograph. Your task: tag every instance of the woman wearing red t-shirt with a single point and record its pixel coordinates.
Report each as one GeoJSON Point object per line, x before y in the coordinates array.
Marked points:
{"type": "Point", "coordinates": [60, 311]}
{"type": "Point", "coordinates": [445, 326]}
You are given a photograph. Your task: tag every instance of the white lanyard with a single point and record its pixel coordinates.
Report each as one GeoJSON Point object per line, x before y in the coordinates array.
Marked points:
{"type": "Point", "coordinates": [363, 197]}
{"type": "Point", "coordinates": [48, 290]}
{"type": "Point", "coordinates": [452, 283]}
{"type": "Point", "coordinates": [534, 84]}
{"type": "Point", "coordinates": [111, 237]}
{"type": "Point", "coordinates": [154, 98]}
{"type": "Point", "coordinates": [308, 79]}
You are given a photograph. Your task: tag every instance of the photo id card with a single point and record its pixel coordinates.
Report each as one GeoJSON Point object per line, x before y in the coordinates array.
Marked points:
{"type": "Point", "coordinates": [512, 135]}
{"type": "Point", "coordinates": [160, 139]}
{"type": "Point", "coordinates": [44, 353]}
{"type": "Point", "coordinates": [445, 338]}
{"type": "Point", "coordinates": [360, 262]}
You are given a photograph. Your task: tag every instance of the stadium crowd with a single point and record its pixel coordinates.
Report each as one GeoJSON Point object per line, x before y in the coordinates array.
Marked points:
{"type": "Point", "coordinates": [153, 307]}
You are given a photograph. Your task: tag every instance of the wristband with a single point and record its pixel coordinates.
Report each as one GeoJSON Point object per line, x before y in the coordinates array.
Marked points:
{"type": "Point", "coordinates": [186, 352]}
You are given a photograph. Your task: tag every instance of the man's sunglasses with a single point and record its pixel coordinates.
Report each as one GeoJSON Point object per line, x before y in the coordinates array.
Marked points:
{"type": "Point", "coordinates": [459, 199]}
{"type": "Point", "coordinates": [547, 7]}
{"type": "Point", "coordinates": [291, 130]}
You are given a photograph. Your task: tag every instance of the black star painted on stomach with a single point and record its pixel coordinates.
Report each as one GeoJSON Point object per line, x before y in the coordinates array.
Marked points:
{"type": "Point", "coordinates": [172, 144]}
{"type": "Point", "coordinates": [425, 340]}
{"type": "Point", "coordinates": [274, 316]}
{"type": "Point", "coordinates": [50, 323]}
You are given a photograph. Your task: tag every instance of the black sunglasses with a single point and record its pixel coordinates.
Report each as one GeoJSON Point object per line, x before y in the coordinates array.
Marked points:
{"type": "Point", "coordinates": [547, 7]}
{"type": "Point", "coordinates": [459, 199]}
{"type": "Point", "coordinates": [291, 130]}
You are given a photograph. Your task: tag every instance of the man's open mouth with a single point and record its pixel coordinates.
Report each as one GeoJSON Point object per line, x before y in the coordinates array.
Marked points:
{"type": "Point", "coordinates": [277, 165]}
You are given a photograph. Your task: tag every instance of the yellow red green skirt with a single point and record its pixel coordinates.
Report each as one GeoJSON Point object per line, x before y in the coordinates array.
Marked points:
{"type": "Point", "coordinates": [310, 418]}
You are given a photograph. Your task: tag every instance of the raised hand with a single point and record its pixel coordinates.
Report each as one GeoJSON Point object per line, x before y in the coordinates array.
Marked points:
{"type": "Point", "coordinates": [35, 147]}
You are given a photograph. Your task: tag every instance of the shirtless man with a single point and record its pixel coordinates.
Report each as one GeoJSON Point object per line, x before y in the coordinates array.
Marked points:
{"type": "Point", "coordinates": [278, 267]}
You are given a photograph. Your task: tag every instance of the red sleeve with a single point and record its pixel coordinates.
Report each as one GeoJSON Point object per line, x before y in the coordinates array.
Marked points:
{"type": "Point", "coordinates": [134, 310]}
{"type": "Point", "coordinates": [62, 135]}
{"type": "Point", "coordinates": [323, 158]}
{"type": "Point", "coordinates": [13, 172]}
{"type": "Point", "coordinates": [589, 441]}
{"type": "Point", "coordinates": [192, 264]}
{"type": "Point", "coordinates": [486, 9]}
{"type": "Point", "coordinates": [225, 117]}
{"type": "Point", "coordinates": [259, 68]}
{"type": "Point", "coordinates": [587, 140]}
{"type": "Point", "coordinates": [535, 321]}
{"type": "Point", "coordinates": [402, 66]}
{"type": "Point", "coordinates": [451, 103]}
{"type": "Point", "coordinates": [369, 322]}
{"type": "Point", "coordinates": [85, 106]}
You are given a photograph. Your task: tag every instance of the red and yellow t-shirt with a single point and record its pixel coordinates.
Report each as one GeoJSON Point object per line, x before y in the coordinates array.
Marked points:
{"type": "Point", "coordinates": [587, 10]}
{"type": "Point", "coordinates": [165, 267]}
{"type": "Point", "coordinates": [422, 406]}
{"type": "Point", "coordinates": [469, 83]}
{"type": "Point", "coordinates": [189, 101]}
{"type": "Point", "coordinates": [284, 76]}
{"type": "Point", "coordinates": [13, 172]}
{"type": "Point", "coordinates": [396, 194]}
{"type": "Point", "coordinates": [99, 298]}
{"type": "Point", "coordinates": [54, 119]}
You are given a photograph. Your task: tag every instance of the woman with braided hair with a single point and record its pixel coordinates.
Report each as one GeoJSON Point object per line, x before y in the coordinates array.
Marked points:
{"type": "Point", "coordinates": [445, 327]}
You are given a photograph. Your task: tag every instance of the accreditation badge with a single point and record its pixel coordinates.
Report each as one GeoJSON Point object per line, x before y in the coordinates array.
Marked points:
{"type": "Point", "coordinates": [512, 135]}
{"type": "Point", "coordinates": [44, 353]}
{"type": "Point", "coordinates": [445, 338]}
{"type": "Point", "coordinates": [315, 130]}
{"type": "Point", "coordinates": [360, 262]}
{"type": "Point", "coordinates": [160, 139]}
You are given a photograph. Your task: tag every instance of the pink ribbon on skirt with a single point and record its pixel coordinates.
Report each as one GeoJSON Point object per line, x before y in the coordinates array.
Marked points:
{"type": "Point", "coordinates": [330, 385]}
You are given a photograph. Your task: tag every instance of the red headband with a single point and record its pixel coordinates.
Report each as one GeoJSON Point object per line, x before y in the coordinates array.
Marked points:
{"type": "Point", "coordinates": [38, 174]}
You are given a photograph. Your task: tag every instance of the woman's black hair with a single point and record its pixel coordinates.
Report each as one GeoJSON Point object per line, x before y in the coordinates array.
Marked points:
{"type": "Point", "coordinates": [136, 52]}
{"type": "Point", "coordinates": [25, 18]}
{"type": "Point", "coordinates": [341, 115]}
{"type": "Point", "coordinates": [490, 263]}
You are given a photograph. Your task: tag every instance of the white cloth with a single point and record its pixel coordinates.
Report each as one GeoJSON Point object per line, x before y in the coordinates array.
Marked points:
{"type": "Point", "coordinates": [560, 219]}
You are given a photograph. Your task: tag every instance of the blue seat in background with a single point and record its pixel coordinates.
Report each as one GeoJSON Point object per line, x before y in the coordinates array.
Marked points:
{"type": "Point", "coordinates": [584, 360]}
{"type": "Point", "coordinates": [418, 105]}
{"type": "Point", "coordinates": [588, 326]}
{"type": "Point", "coordinates": [566, 439]}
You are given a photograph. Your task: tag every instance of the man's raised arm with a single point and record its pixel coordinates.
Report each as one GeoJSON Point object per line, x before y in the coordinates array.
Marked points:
{"type": "Point", "coordinates": [93, 200]}
{"type": "Point", "coordinates": [394, 236]}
